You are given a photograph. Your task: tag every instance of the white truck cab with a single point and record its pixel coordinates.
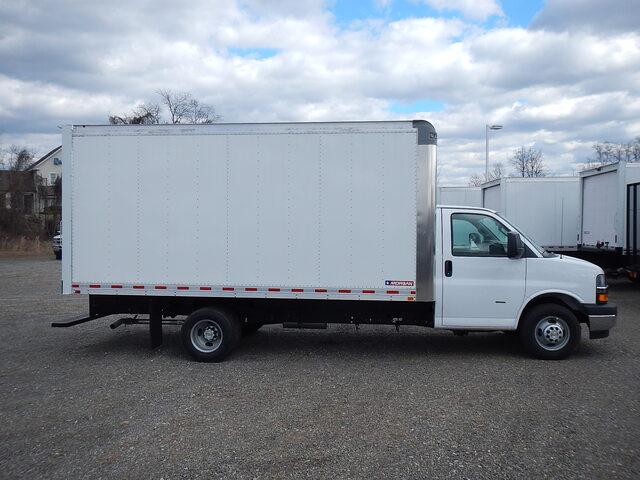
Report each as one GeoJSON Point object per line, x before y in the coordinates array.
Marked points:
{"type": "Point", "coordinates": [485, 283]}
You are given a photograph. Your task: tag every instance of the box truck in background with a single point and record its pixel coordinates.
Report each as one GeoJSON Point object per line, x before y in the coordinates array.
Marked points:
{"type": "Point", "coordinates": [461, 196]}
{"type": "Point", "coordinates": [545, 208]}
{"type": "Point", "coordinates": [609, 213]}
{"type": "Point", "coordinates": [609, 231]}
{"type": "Point", "coordinates": [235, 226]}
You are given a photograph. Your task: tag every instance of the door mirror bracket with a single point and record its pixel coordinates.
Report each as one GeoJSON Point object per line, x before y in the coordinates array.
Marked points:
{"type": "Point", "coordinates": [515, 246]}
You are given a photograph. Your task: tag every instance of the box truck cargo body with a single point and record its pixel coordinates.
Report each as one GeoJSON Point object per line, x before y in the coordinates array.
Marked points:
{"type": "Point", "coordinates": [546, 209]}
{"type": "Point", "coordinates": [235, 226]}
{"type": "Point", "coordinates": [609, 217]}
{"type": "Point", "coordinates": [462, 196]}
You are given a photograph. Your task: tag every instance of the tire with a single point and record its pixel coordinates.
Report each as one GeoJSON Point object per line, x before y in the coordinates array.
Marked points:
{"type": "Point", "coordinates": [210, 334]}
{"type": "Point", "coordinates": [58, 255]}
{"type": "Point", "coordinates": [550, 332]}
{"type": "Point", "coordinates": [250, 328]}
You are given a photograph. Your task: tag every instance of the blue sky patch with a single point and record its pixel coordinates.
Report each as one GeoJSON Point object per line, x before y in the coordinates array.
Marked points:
{"type": "Point", "coordinates": [257, 53]}
{"type": "Point", "coordinates": [424, 105]}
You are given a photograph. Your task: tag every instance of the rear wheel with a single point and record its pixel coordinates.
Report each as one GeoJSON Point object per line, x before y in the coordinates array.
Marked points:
{"type": "Point", "coordinates": [210, 334]}
{"type": "Point", "coordinates": [550, 332]}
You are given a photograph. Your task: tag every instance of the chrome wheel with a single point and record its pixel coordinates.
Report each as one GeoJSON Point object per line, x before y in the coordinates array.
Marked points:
{"type": "Point", "coordinates": [206, 336]}
{"type": "Point", "coordinates": [552, 333]}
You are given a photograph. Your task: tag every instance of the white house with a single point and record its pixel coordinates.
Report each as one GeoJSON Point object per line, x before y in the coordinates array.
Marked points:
{"type": "Point", "coordinates": [49, 167]}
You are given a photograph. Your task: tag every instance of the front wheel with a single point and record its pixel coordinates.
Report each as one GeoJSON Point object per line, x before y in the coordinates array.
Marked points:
{"type": "Point", "coordinates": [550, 332]}
{"type": "Point", "coordinates": [210, 334]}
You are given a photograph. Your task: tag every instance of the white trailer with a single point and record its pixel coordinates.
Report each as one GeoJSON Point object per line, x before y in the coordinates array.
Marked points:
{"type": "Point", "coordinates": [546, 209]}
{"type": "Point", "coordinates": [461, 196]}
{"type": "Point", "coordinates": [609, 217]}
{"type": "Point", "coordinates": [240, 225]}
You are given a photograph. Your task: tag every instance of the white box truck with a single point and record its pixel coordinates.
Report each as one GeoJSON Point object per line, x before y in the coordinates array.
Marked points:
{"type": "Point", "coordinates": [609, 214]}
{"type": "Point", "coordinates": [235, 226]}
{"type": "Point", "coordinates": [461, 196]}
{"type": "Point", "coordinates": [546, 209]}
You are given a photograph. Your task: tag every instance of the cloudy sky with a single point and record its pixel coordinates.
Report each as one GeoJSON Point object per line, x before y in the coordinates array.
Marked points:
{"type": "Point", "coordinates": [558, 74]}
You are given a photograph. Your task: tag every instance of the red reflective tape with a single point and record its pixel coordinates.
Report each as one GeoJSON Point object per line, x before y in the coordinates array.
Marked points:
{"type": "Point", "coordinates": [75, 285]}
{"type": "Point", "coordinates": [228, 289]}
{"type": "Point", "coordinates": [183, 288]}
{"type": "Point", "coordinates": [116, 286]}
{"type": "Point", "coordinates": [160, 287]}
{"type": "Point", "coordinates": [274, 289]}
{"type": "Point", "coordinates": [413, 292]}
{"type": "Point", "coordinates": [393, 292]}
{"type": "Point", "coordinates": [76, 291]}
{"type": "Point", "coordinates": [344, 291]}
{"type": "Point", "coordinates": [250, 289]}
{"type": "Point", "coordinates": [94, 285]}
{"type": "Point", "coordinates": [297, 290]}
{"type": "Point", "coordinates": [205, 288]}
{"type": "Point", "coordinates": [138, 287]}
{"type": "Point", "coordinates": [368, 291]}
{"type": "Point", "coordinates": [321, 290]}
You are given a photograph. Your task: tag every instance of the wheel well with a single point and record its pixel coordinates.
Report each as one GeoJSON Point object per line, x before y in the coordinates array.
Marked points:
{"type": "Point", "coordinates": [558, 299]}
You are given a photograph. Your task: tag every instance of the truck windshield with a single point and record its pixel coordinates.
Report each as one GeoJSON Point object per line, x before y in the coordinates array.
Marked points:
{"type": "Point", "coordinates": [538, 248]}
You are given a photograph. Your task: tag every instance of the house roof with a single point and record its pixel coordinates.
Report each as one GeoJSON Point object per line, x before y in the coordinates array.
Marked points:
{"type": "Point", "coordinates": [44, 157]}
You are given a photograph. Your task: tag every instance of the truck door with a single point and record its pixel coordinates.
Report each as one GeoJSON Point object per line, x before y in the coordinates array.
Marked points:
{"type": "Point", "coordinates": [482, 287]}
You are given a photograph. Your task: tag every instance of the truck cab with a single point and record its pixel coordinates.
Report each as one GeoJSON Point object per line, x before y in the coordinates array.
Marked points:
{"type": "Point", "coordinates": [491, 276]}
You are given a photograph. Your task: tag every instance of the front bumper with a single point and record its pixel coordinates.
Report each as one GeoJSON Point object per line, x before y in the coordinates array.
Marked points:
{"type": "Point", "coordinates": [601, 319]}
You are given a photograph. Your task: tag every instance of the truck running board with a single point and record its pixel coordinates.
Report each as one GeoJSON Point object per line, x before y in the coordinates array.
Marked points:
{"type": "Point", "coordinates": [77, 320]}
{"type": "Point", "coordinates": [316, 326]}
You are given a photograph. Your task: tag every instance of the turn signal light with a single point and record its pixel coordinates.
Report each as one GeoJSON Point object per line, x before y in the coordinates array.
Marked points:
{"type": "Point", "coordinates": [602, 289]}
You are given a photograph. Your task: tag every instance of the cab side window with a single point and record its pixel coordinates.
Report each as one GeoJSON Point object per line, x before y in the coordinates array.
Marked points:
{"type": "Point", "coordinates": [477, 235]}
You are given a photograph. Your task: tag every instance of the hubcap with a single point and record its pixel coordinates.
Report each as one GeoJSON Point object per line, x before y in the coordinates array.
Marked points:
{"type": "Point", "coordinates": [206, 336]}
{"type": "Point", "coordinates": [552, 333]}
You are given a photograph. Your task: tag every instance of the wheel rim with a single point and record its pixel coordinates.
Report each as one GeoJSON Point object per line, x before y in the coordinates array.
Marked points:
{"type": "Point", "coordinates": [206, 336]}
{"type": "Point", "coordinates": [552, 333]}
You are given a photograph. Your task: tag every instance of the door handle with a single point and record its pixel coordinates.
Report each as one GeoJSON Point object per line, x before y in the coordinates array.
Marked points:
{"type": "Point", "coordinates": [448, 268]}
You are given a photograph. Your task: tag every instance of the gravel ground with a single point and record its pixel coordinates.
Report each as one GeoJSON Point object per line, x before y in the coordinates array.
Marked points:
{"type": "Point", "coordinates": [89, 402]}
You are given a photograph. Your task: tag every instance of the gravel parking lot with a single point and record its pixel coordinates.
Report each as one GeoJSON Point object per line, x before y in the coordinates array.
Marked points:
{"type": "Point", "coordinates": [89, 402]}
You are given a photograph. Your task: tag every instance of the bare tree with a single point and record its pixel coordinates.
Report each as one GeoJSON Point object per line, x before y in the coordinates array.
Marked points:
{"type": "Point", "coordinates": [476, 180]}
{"type": "Point", "coordinates": [144, 114]}
{"type": "Point", "coordinates": [528, 162]}
{"type": "Point", "coordinates": [497, 171]}
{"type": "Point", "coordinates": [608, 152]}
{"type": "Point", "coordinates": [17, 159]}
{"type": "Point", "coordinates": [201, 113]}
{"type": "Point", "coordinates": [183, 108]}
{"type": "Point", "coordinates": [20, 187]}
{"type": "Point", "coordinates": [180, 106]}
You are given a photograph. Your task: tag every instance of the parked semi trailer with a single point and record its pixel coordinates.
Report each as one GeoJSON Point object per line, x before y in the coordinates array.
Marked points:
{"type": "Point", "coordinates": [235, 226]}
{"type": "Point", "coordinates": [546, 209]}
{"type": "Point", "coordinates": [465, 196]}
{"type": "Point", "coordinates": [610, 217]}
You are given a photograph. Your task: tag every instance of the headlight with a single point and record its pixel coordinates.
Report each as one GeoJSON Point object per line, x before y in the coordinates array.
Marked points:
{"type": "Point", "coordinates": [602, 289]}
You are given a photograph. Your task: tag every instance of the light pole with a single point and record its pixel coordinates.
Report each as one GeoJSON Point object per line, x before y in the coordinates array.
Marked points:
{"type": "Point", "coordinates": [486, 144]}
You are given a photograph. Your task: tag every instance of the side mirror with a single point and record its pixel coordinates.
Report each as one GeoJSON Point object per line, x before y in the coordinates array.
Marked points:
{"type": "Point", "coordinates": [515, 247]}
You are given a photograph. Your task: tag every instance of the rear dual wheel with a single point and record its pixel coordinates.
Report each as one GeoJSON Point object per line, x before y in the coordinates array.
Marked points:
{"type": "Point", "coordinates": [210, 334]}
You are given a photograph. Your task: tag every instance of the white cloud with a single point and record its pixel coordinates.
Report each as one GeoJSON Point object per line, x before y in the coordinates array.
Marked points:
{"type": "Point", "coordinates": [560, 89]}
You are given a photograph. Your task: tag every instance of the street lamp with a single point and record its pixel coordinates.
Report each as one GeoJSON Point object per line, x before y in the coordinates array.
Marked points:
{"type": "Point", "coordinates": [486, 144]}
